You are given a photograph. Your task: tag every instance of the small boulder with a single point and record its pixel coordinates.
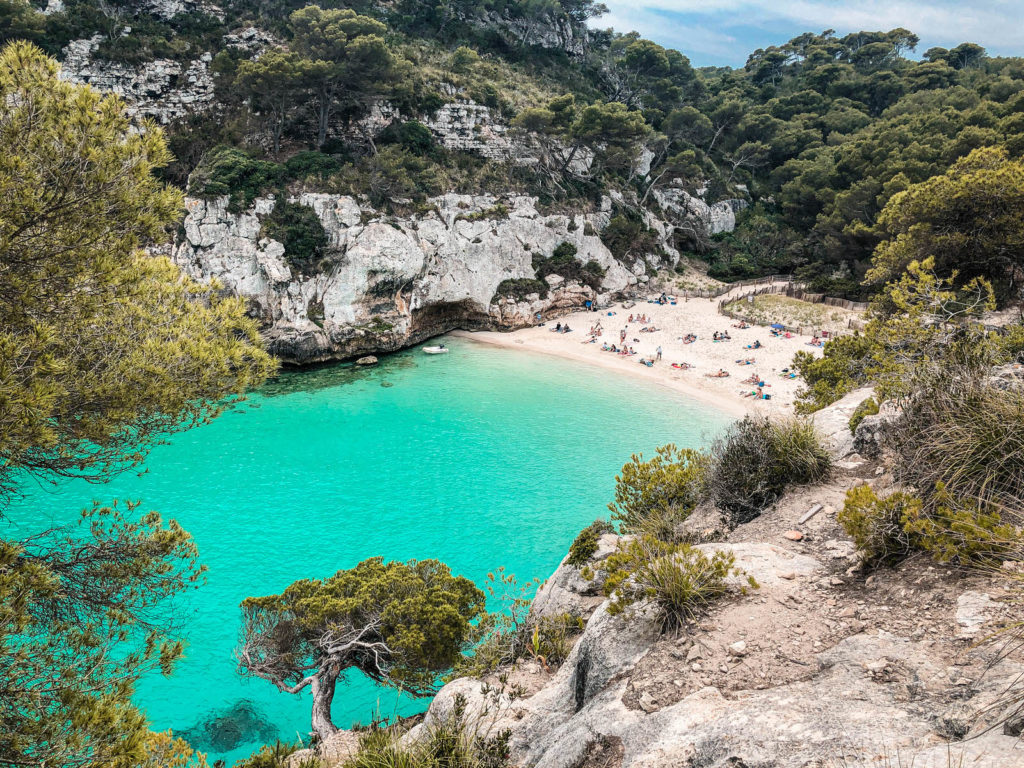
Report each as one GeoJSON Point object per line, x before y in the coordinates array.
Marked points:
{"type": "Point", "coordinates": [368, 360]}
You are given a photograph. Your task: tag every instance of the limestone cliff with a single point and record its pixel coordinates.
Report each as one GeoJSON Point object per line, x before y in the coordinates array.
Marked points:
{"type": "Point", "coordinates": [389, 282]}
{"type": "Point", "coordinates": [823, 665]}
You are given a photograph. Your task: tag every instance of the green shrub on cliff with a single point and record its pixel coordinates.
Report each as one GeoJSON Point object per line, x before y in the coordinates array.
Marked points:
{"type": "Point", "coordinates": [758, 458]}
{"type": "Point", "coordinates": [887, 529]}
{"type": "Point", "coordinates": [656, 495]}
{"type": "Point", "coordinates": [230, 171]}
{"type": "Point", "coordinates": [456, 740]}
{"type": "Point", "coordinates": [965, 432]}
{"type": "Point", "coordinates": [298, 229]}
{"type": "Point", "coordinates": [584, 545]}
{"type": "Point", "coordinates": [519, 288]}
{"type": "Point", "coordinates": [678, 579]}
{"type": "Point", "coordinates": [867, 407]}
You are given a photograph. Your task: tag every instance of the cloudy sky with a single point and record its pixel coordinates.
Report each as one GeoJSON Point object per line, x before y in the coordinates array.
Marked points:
{"type": "Point", "coordinates": [717, 32]}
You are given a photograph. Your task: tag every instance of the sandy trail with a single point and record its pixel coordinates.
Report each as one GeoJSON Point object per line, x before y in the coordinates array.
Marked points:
{"type": "Point", "coordinates": [699, 316]}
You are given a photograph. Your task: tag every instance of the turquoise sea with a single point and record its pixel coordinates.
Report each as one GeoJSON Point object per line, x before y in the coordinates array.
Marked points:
{"type": "Point", "coordinates": [483, 457]}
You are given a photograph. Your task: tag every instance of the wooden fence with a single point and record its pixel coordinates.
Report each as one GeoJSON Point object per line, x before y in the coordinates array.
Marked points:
{"type": "Point", "coordinates": [793, 291]}
{"type": "Point", "coordinates": [728, 287]}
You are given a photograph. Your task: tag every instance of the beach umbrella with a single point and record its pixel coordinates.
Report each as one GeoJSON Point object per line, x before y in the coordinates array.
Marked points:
{"type": "Point", "coordinates": [780, 326]}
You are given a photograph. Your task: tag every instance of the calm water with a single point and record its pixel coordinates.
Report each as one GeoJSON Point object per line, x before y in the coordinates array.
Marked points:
{"type": "Point", "coordinates": [483, 457]}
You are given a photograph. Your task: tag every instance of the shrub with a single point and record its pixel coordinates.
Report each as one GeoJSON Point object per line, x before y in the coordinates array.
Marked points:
{"type": "Point", "coordinates": [887, 529]}
{"type": "Point", "coordinates": [229, 171]}
{"type": "Point", "coordinates": [966, 433]}
{"type": "Point", "coordinates": [758, 458]}
{"type": "Point", "coordinates": [453, 742]}
{"type": "Point", "coordinates": [563, 262]}
{"type": "Point", "coordinates": [275, 756]}
{"type": "Point", "coordinates": [411, 135]}
{"type": "Point", "coordinates": [867, 407]}
{"type": "Point", "coordinates": [299, 230]}
{"type": "Point", "coordinates": [520, 287]}
{"type": "Point", "coordinates": [953, 532]}
{"type": "Point", "coordinates": [840, 370]}
{"type": "Point", "coordinates": [311, 164]}
{"type": "Point", "coordinates": [876, 525]}
{"type": "Point", "coordinates": [584, 545]}
{"type": "Point", "coordinates": [464, 59]}
{"type": "Point", "coordinates": [563, 252]}
{"type": "Point", "coordinates": [513, 634]}
{"type": "Point", "coordinates": [497, 211]}
{"type": "Point", "coordinates": [678, 579]}
{"type": "Point", "coordinates": [627, 235]}
{"type": "Point", "coordinates": [656, 495]}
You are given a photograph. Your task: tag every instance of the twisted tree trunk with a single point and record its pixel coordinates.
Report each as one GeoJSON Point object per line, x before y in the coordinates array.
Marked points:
{"type": "Point", "coordinates": [323, 694]}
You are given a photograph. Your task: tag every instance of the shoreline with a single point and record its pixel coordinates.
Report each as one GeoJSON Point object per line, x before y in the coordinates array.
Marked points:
{"type": "Point", "coordinates": [507, 340]}
{"type": "Point", "coordinates": [671, 323]}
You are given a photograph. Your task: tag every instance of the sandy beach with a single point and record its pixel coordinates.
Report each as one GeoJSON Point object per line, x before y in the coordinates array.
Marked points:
{"type": "Point", "coordinates": [674, 322]}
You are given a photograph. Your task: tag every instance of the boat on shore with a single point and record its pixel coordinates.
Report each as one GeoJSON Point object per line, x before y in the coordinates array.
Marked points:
{"type": "Point", "coordinates": [439, 349]}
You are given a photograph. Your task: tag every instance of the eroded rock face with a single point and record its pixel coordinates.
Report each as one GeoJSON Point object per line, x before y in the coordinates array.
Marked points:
{"type": "Point", "coordinates": [869, 693]}
{"type": "Point", "coordinates": [391, 282]}
{"type": "Point", "coordinates": [716, 218]}
{"type": "Point", "coordinates": [163, 90]}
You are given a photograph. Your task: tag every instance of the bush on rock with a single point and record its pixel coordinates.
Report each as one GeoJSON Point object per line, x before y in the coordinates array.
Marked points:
{"type": "Point", "coordinates": [758, 458]}
{"type": "Point", "coordinates": [584, 545]}
{"type": "Point", "coordinates": [679, 579]}
{"type": "Point", "coordinates": [654, 496]}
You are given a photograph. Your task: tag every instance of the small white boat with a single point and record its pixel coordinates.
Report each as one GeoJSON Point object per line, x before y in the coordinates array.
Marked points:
{"type": "Point", "coordinates": [440, 349]}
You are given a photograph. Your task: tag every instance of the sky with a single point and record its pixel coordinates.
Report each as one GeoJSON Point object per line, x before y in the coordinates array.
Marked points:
{"type": "Point", "coordinates": [723, 32]}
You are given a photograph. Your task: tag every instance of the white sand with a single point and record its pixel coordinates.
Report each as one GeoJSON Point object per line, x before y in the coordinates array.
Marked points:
{"type": "Point", "coordinates": [699, 316]}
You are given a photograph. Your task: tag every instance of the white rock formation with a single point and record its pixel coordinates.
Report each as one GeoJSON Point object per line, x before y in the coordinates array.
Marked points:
{"type": "Point", "coordinates": [391, 282]}
{"type": "Point", "coordinates": [871, 693]}
{"type": "Point", "coordinates": [718, 217]}
{"type": "Point", "coordinates": [163, 90]}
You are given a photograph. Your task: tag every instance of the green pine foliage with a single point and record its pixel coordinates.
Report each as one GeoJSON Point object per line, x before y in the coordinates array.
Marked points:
{"type": "Point", "coordinates": [654, 496]}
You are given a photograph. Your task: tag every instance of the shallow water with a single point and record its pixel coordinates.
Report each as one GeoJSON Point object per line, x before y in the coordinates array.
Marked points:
{"type": "Point", "coordinates": [482, 457]}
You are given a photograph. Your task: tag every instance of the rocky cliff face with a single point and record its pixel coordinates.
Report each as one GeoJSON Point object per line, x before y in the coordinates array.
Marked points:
{"type": "Point", "coordinates": [822, 665]}
{"type": "Point", "coordinates": [389, 282]}
{"type": "Point", "coordinates": [163, 90]}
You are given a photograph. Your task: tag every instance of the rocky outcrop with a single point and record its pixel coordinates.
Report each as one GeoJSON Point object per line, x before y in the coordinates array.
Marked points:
{"type": "Point", "coordinates": [833, 422]}
{"type": "Point", "coordinates": [470, 127]}
{"type": "Point", "coordinates": [162, 90]}
{"type": "Point", "coordinates": [629, 697]}
{"type": "Point", "coordinates": [549, 30]}
{"type": "Point", "coordinates": [390, 282]}
{"type": "Point", "coordinates": [681, 205]}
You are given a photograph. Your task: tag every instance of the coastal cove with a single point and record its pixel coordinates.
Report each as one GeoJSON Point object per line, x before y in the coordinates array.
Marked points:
{"type": "Point", "coordinates": [482, 458]}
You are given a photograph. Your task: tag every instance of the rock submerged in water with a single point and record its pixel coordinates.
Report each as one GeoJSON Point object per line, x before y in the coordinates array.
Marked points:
{"type": "Point", "coordinates": [222, 731]}
{"type": "Point", "coordinates": [368, 360]}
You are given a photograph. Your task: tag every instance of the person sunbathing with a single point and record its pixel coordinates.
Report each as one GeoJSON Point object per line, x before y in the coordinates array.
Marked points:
{"type": "Point", "coordinates": [746, 361]}
{"type": "Point", "coordinates": [645, 361]}
{"type": "Point", "coordinates": [682, 366]}
{"type": "Point", "coordinates": [722, 374]}
{"type": "Point", "coordinates": [742, 325]}
{"type": "Point", "coordinates": [752, 379]}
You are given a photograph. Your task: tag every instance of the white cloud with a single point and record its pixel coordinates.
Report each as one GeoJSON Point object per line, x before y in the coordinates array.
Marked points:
{"type": "Point", "coordinates": [707, 26]}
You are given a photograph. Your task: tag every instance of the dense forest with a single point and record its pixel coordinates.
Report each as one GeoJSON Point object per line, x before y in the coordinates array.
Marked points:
{"type": "Point", "coordinates": [818, 133]}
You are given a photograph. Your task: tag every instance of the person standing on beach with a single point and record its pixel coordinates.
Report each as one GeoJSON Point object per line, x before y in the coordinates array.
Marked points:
{"type": "Point", "coordinates": [659, 353]}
